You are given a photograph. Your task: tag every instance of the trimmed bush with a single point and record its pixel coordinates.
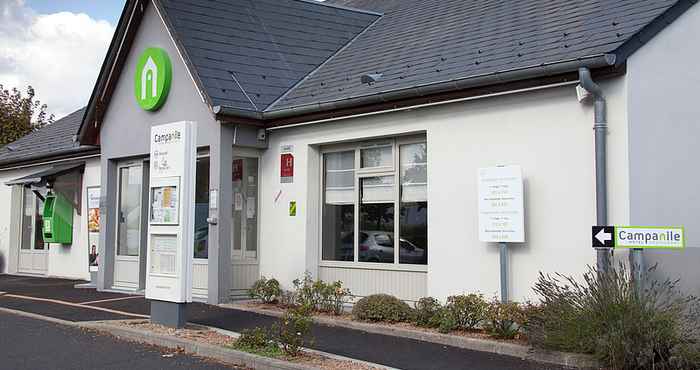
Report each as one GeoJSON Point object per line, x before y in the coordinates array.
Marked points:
{"type": "Point", "coordinates": [427, 312]}
{"type": "Point", "coordinates": [467, 311]}
{"type": "Point", "coordinates": [267, 291]}
{"type": "Point", "coordinates": [381, 307]}
{"type": "Point", "coordinates": [625, 327]}
{"type": "Point", "coordinates": [503, 319]}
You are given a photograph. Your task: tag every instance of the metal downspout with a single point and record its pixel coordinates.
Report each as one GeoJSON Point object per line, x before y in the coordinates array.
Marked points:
{"type": "Point", "coordinates": [600, 128]}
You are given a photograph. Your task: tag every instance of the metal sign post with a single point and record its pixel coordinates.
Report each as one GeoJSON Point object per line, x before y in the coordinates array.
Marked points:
{"type": "Point", "coordinates": [504, 272]}
{"type": "Point", "coordinates": [501, 213]}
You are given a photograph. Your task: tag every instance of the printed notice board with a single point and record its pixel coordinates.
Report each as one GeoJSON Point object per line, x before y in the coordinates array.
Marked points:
{"type": "Point", "coordinates": [501, 209]}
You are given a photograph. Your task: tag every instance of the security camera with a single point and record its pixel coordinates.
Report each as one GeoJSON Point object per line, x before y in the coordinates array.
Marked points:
{"type": "Point", "coordinates": [262, 134]}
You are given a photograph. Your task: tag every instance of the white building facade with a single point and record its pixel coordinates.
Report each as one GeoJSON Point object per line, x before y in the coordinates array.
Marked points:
{"type": "Point", "coordinates": [385, 199]}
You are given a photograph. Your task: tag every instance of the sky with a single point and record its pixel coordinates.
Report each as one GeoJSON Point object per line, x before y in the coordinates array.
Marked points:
{"type": "Point", "coordinates": [57, 46]}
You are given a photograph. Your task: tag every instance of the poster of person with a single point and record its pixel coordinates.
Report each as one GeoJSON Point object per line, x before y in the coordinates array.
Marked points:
{"type": "Point", "coordinates": [93, 225]}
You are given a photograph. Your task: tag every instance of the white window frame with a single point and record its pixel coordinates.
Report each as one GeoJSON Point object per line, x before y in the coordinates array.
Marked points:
{"type": "Point", "coordinates": [360, 173]}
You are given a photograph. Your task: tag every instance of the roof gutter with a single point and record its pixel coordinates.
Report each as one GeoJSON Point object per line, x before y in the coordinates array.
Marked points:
{"type": "Point", "coordinates": [85, 150]}
{"type": "Point", "coordinates": [494, 78]}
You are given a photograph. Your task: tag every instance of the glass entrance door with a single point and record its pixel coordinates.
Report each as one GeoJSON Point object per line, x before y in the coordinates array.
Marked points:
{"type": "Point", "coordinates": [244, 249]}
{"type": "Point", "coordinates": [33, 256]}
{"type": "Point", "coordinates": [128, 268]}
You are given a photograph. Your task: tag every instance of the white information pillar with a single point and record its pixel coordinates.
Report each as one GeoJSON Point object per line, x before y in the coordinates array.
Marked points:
{"type": "Point", "coordinates": [171, 220]}
{"type": "Point", "coordinates": [501, 212]}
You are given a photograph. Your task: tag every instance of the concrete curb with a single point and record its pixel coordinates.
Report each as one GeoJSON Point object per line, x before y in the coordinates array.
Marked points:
{"type": "Point", "coordinates": [573, 360]}
{"type": "Point", "coordinates": [223, 354]}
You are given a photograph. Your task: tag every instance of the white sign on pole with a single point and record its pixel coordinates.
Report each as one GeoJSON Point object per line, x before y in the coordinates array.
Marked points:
{"type": "Point", "coordinates": [501, 209]}
{"type": "Point", "coordinates": [171, 212]}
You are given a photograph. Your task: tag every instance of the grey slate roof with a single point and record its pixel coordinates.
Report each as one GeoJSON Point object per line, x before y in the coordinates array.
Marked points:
{"type": "Point", "coordinates": [422, 42]}
{"type": "Point", "coordinates": [248, 53]}
{"type": "Point", "coordinates": [51, 140]}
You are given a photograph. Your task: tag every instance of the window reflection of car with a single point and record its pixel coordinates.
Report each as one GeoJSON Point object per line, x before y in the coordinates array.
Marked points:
{"type": "Point", "coordinates": [378, 246]}
{"type": "Point", "coordinates": [410, 253]}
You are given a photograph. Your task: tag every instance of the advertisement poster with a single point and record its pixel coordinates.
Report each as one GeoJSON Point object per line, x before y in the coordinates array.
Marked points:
{"type": "Point", "coordinates": [93, 225]}
{"type": "Point", "coordinates": [165, 205]}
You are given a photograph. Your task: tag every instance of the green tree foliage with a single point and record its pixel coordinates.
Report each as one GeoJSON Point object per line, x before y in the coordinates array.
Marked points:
{"type": "Point", "coordinates": [20, 115]}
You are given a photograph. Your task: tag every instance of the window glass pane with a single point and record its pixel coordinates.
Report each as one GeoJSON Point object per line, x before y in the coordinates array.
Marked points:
{"type": "Point", "coordinates": [338, 239]}
{"type": "Point", "coordinates": [245, 208]}
{"type": "Point", "coordinates": [339, 178]}
{"type": "Point", "coordinates": [378, 189]}
{"type": "Point", "coordinates": [39, 224]}
{"type": "Point", "coordinates": [376, 241]}
{"type": "Point", "coordinates": [27, 216]}
{"type": "Point", "coordinates": [413, 222]}
{"type": "Point", "coordinates": [339, 207]}
{"type": "Point", "coordinates": [251, 205]}
{"type": "Point", "coordinates": [414, 172]}
{"type": "Point", "coordinates": [129, 238]}
{"type": "Point", "coordinates": [413, 214]}
{"type": "Point", "coordinates": [201, 209]}
{"type": "Point", "coordinates": [379, 156]}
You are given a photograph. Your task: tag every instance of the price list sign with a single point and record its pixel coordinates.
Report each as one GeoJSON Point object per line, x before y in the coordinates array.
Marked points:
{"type": "Point", "coordinates": [501, 213]}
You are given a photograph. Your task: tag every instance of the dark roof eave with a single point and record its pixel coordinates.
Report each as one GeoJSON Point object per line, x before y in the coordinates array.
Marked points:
{"type": "Point", "coordinates": [500, 77]}
{"type": "Point", "coordinates": [62, 154]}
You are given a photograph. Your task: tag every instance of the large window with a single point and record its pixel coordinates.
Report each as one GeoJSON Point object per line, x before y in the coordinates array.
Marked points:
{"type": "Point", "coordinates": [364, 186]}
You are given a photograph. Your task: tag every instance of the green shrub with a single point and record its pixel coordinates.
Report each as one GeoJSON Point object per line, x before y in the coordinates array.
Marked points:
{"type": "Point", "coordinates": [427, 312]}
{"type": "Point", "coordinates": [606, 315]}
{"type": "Point", "coordinates": [253, 338]}
{"type": "Point", "coordinates": [467, 311]}
{"type": "Point", "coordinates": [293, 330]}
{"type": "Point", "coordinates": [257, 341]}
{"type": "Point", "coordinates": [305, 292]}
{"type": "Point", "coordinates": [267, 291]}
{"type": "Point", "coordinates": [447, 321]}
{"type": "Point", "coordinates": [504, 319]}
{"type": "Point", "coordinates": [333, 296]}
{"type": "Point", "coordinates": [320, 296]}
{"type": "Point", "coordinates": [381, 307]}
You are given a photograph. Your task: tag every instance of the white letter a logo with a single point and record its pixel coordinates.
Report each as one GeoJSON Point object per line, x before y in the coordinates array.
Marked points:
{"type": "Point", "coordinates": [149, 73]}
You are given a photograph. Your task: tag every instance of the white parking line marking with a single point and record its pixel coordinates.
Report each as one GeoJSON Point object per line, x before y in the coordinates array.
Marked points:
{"type": "Point", "coordinates": [75, 305]}
{"type": "Point", "coordinates": [112, 299]}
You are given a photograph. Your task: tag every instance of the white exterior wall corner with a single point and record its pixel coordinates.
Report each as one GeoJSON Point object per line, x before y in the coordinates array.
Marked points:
{"type": "Point", "coordinates": [547, 132]}
{"type": "Point", "coordinates": [663, 80]}
{"type": "Point", "coordinates": [65, 261]}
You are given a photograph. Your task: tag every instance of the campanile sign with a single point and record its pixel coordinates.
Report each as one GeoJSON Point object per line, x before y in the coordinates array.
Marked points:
{"type": "Point", "coordinates": [152, 78]}
{"type": "Point", "coordinates": [171, 221]}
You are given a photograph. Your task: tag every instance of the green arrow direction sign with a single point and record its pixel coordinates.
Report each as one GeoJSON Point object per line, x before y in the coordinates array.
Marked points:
{"type": "Point", "coordinates": [649, 237]}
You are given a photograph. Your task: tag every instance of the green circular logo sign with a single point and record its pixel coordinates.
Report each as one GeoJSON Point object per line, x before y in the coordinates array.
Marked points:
{"type": "Point", "coordinates": [152, 78]}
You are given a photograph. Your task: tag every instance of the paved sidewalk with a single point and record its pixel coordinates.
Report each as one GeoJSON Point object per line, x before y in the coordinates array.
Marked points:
{"type": "Point", "coordinates": [382, 349]}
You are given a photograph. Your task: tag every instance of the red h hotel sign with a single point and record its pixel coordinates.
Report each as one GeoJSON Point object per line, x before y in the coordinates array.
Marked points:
{"type": "Point", "coordinates": [287, 168]}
